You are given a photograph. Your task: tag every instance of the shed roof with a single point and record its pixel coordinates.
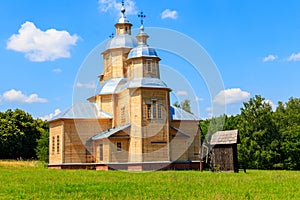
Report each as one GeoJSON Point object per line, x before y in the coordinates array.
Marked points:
{"type": "Point", "coordinates": [225, 137]}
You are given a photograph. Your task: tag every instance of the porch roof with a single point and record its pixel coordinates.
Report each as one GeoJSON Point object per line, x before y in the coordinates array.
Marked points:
{"type": "Point", "coordinates": [110, 132]}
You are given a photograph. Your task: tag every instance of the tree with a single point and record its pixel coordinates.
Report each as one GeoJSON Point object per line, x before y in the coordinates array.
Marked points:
{"type": "Point", "coordinates": [260, 140]}
{"type": "Point", "coordinates": [287, 117]}
{"type": "Point", "coordinates": [176, 104]}
{"type": "Point", "coordinates": [223, 122]}
{"type": "Point", "coordinates": [42, 149]}
{"type": "Point", "coordinates": [231, 122]}
{"type": "Point", "coordinates": [184, 105]}
{"type": "Point", "coordinates": [18, 134]}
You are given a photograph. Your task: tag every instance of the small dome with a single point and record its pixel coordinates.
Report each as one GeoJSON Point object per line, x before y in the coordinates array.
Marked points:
{"type": "Point", "coordinates": [142, 51]}
{"type": "Point", "coordinates": [122, 41]}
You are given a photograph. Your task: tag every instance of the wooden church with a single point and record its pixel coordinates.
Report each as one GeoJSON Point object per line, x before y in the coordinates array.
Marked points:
{"type": "Point", "coordinates": [129, 124]}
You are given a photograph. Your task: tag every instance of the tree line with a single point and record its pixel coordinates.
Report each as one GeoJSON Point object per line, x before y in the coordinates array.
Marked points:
{"type": "Point", "coordinates": [269, 139]}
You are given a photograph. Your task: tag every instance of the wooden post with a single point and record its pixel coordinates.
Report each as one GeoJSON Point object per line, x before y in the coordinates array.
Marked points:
{"type": "Point", "coordinates": [200, 149]}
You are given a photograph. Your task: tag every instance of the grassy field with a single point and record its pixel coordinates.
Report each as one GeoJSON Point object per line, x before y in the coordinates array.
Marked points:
{"type": "Point", "coordinates": [31, 180]}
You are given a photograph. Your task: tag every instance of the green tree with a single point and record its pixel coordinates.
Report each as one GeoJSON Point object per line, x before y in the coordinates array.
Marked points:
{"type": "Point", "coordinates": [231, 122]}
{"type": "Point", "coordinates": [18, 134]}
{"type": "Point", "coordinates": [176, 104]}
{"type": "Point", "coordinates": [287, 117]}
{"type": "Point", "coordinates": [184, 105]}
{"type": "Point", "coordinates": [223, 122]}
{"type": "Point", "coordinates": [42, 149]}
{"type": "Point", "coordinates": [260, 140]}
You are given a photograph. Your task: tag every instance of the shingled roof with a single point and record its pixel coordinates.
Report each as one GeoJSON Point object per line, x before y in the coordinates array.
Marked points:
{"type": "Point", "coordinates": [225, 137]}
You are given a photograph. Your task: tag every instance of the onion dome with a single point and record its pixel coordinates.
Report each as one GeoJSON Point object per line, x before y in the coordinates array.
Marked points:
{"type": "Point", "coordinates": [122, 41]}
{"type": "Point", "coordinates": [142, 50]}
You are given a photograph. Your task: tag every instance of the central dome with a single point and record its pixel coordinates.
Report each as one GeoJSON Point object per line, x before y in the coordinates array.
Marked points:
{"type": "Point", "coordinates": [122, 41]}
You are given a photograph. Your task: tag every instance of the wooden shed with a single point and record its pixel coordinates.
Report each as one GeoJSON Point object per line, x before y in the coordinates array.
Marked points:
{"type": "Point", "coordinates": [224, 150]}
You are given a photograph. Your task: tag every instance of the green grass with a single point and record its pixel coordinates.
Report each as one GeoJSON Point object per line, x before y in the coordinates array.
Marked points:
{"type": "Point", "coordinates": [30, 180]}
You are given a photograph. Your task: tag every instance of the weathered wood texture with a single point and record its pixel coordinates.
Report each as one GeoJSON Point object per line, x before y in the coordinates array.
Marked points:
{"type": "Point", "coordinates": [224, 158]}
{"type": "Point", "coordinates": [224, 152]}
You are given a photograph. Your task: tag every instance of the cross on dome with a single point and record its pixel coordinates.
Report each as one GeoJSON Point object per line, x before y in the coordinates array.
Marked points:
{"type": "Point", "coordinates": [142, 16]}
{"type": "Point", "coordinates": [123, 18]}
{"type": "Point", "coordinates": [123, 9]}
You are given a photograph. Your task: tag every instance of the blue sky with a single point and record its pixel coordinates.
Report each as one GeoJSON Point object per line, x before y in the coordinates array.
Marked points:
{"type": "Point", "coordinates": [255, 45]}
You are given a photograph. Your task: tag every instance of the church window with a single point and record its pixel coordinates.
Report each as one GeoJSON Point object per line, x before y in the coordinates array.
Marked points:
{"type": "Point", "coordinates": [53, 145]}
{"type": "Point", "coordinates": [154, 109]}
{"type": "Point", "coordinates": [148, 111]}
{"type": "Point", "coordinates": [154, 68]}
{"type": "Point", "coordinates": [119, 146]}
{"type": "Point", "coordinates": [159, 111]}
{"type": "Point", "coordinates": [101, 152]}
{"type": "Point", "coordinates": [123, 119]}
{"type": "Point", "coordinates": [57, 144]}
{"type": "Point", "coordinates": [149, 66]}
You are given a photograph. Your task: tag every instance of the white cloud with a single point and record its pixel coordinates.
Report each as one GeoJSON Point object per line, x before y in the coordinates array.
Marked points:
{"type": "Point", "coordinates": [18, 96]}
{"type": "Point", "coordinates": [51, 115]}
{"type": "Point", "coordinates": [90, 85]}
{"type": "Point", "coordinates": [209, 109]}
{"type": "Point", "coordinates": [169, 14]}
{"type": "Point", "coordinates": [269, 58]}
{"type": "Point", "coordinates": [57, 70]}
{"type": "Point", "coordinates": [199, 99]}
{"type": "Point", "coordinates": [181, 93]}
{"type": "Point", "coordinates": [270, 103]}
{"type": "Point", "coordinates": [114, 6]}
{"type": "Point", "coordinates": [294, 57]}
{"type": "Point", "coordinates": [39, 45]}
{"type": "Point", "coordinates": [230, 96]}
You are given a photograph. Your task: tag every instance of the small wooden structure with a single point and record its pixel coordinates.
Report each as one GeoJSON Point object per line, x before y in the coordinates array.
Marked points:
{"type": "Point", "coordinates": [224, 150]}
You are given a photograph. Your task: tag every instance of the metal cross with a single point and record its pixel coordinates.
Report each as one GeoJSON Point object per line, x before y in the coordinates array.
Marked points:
{"type": "Point", "coordinates": [122, 2]}
{"type": "Point", "coordinates": [142, 16]}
